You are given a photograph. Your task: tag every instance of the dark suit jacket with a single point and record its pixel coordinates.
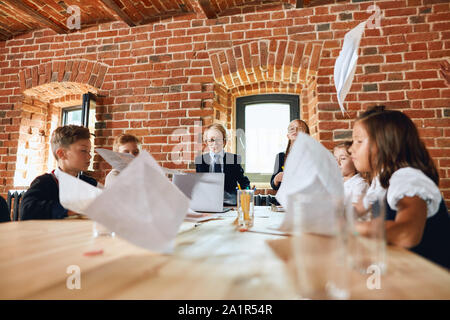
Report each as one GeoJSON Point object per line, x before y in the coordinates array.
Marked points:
{"type": "Point", "coordinates": [279, 162]}
{"type": "Point", "coordinates": [231, 168]}
{"type": "Point", "coordinates": [41, 201]}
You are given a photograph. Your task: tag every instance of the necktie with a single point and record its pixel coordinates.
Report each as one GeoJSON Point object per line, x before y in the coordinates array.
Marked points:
{"type": "Point", "coordinates": [217, 166]}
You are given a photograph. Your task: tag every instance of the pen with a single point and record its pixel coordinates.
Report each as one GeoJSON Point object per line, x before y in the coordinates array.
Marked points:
{"type": "Point", "coordinates": [239, 186]}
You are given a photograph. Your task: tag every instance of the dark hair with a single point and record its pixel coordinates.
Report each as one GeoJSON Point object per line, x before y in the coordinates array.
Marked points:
{"type": "Point", "coordinates": [64, 136]}
{"type": "Point", "coordinates": [305, 129]}
{"type": "Point", "coordinates": [371, 110]}
{"type": "Point", "coordinates": [398, 145]}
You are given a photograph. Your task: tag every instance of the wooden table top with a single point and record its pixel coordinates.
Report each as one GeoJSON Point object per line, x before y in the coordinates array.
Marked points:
{"type": "Point", "coordinates": [210, 261]}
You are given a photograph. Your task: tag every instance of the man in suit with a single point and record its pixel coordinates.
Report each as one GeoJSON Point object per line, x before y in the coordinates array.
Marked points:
{"type": "Point", "coordinates": [217, 160]}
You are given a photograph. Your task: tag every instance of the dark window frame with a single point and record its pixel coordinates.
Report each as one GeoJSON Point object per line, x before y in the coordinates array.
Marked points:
{"type": "Point", "coordinates": [242, 102]}
{"type": "Point", "coordinates": [85, 106]}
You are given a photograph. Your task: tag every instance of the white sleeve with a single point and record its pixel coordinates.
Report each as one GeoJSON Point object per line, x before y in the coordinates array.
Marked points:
{"type": "Point", "coordinates": [374, 193]}
{"type": "Point", "coordinates": [358, 189]}
{"type": "Point", "coordinates": [111, 177]}
{"type": "Point", "coordinates": [410, 182]}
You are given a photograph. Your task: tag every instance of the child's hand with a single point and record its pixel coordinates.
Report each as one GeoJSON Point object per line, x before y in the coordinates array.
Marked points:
{"type": "Point", "coordinates": [71, 213]}
{"type": "Point", "coordinates": [359, 206]}
{"type": "Point", "coordinates": [278, 178]}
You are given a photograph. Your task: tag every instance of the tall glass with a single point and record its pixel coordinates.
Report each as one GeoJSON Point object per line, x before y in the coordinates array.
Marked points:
{"type": "Point", "coordinates": [320, 246]}
{"type": "Point", "coordinates": [245, 206]}
{"type": "Point", "coordinates": [99, 230]}
{"type": "Point", "coordinates": [368, 239]}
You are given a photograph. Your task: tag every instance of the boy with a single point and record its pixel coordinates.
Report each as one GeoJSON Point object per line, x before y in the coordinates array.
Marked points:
{"type": "Point", "coordinates": [71, 147]}
{"type": "Point", "coordinates": [217, 160]}
{"type": "Point", "coordinates": [124, 143]}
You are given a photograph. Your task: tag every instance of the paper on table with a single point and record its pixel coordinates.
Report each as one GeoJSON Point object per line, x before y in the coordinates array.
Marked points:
{"type": "Point", "coordinates": [204, 218]}
{"type": "Point", "coordinates": [310, 168]}
{"type": "Point", "coordinates": [143, 207]}
{"type": "Point", "coordinates": [345, 66]}
{"type": "Point", "coordinates": [172, 171]}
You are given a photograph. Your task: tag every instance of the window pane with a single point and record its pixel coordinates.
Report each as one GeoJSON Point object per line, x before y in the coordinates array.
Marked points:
{"type": "Point", "coordinates": [73, 117]}
{"type": "Point", "coordinates": [265, 135]}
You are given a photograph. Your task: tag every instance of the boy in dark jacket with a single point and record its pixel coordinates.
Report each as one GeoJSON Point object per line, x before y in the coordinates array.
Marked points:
{"type": "Point", "coordinates": [71, 147]}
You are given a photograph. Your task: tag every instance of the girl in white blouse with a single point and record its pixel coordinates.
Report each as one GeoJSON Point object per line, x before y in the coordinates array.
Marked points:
{"type": "Point", "coordinates": [354, 184]}
{"type": "Point", "coordinates": [387, 146]}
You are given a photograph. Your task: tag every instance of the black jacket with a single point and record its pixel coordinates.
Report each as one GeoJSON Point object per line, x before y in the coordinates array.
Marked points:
{"type": "Point", "coordinates": [436, 236]}
{"type": "Point", "coordinates": [232, 169]}
{"type": "Point", "coordinates": [41, 201]}
{"type": "Point", "coordinates": [279, 163]}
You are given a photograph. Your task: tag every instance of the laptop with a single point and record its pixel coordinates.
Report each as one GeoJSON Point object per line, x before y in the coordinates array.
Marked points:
{"type": "Point", "coordinates": [206, 190]}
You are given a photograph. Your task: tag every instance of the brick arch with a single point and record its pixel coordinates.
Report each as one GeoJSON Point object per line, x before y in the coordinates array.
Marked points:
{"type": "Point", "coordinates": [276, 61]}
{"type": "Point", "coordinates": [77, 71]}
{"type": "Point", "coordinates": [266, 66]}
{"type": "Point", "coordinates": [45, 89]}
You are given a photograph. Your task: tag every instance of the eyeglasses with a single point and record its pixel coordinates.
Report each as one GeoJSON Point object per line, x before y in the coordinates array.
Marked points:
{"type": "Point", "coordinates": [296, 129]}
{"type": "Point", "coordinates": [211, 141]}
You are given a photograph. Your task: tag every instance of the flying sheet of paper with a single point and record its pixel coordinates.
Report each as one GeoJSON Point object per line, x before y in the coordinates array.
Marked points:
{"type": "Point", "coordinates": [143, 207]}
{"type": "Point", "coordinates": [117, 160]}
{"type": "Point", "coordinates": [311, 169]}
{"type": "Point", "coordinates": [75, 194]}
{"type": "Point", "coordinates": [120, 161]}
{"type": "Point", "coordinates": [345, 67]}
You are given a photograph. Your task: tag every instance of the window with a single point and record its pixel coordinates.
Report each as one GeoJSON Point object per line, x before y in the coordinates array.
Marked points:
{"type": "Point", "coordinates": [72, 115]}
{"type": "Point", "coordinates": [264, 120]}
{"type": "Point", "coordinates": [83, 115]}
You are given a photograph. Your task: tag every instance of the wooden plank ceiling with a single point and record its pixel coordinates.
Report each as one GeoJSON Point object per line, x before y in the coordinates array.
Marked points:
{"type": "Point", "coordinates": [22, 16]}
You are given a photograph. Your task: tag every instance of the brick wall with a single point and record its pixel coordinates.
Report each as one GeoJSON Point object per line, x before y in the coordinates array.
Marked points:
{"type": "Point", "coordinates": [160, 77]}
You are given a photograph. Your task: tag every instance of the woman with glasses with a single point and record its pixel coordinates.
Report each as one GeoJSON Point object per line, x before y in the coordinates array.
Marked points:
{"type": "Point", "coordinates": [217, 160]}
{"type": "Point", "coordinates": [294, 128]}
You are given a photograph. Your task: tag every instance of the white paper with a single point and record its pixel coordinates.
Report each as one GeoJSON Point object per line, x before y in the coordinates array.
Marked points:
{"type": "Point", "coordinates": [143, 206]}
{"type": "Point", "coordinates": [200, 219]}
{"type": "Point", "coordinates": [75, 194]}
{"type": "Point", "coordinates": [120, 161]}
{"type": "Point", "coordinates": [345, 67]}
{"type": "Point", "coordinates": [117, 160]}
{"type": "Point", "coordinates": [310, 169]}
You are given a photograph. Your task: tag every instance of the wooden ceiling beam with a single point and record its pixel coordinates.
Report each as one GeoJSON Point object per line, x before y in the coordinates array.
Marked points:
{"type": "Point", "coordinates": [22, 6]}
{"type": "Point", "coordinates": [110, 4]}
{"type": "Point", "coordinates": [205, 5]}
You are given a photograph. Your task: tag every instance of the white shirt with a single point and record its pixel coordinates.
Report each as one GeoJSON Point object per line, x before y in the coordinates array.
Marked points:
{"type": "Point", "coordinates": [410, 182]}
{"type": "Point", "coordinates": [355, 187]}
{"type": "Point", "coordinates": [58, 171]}
{"type": "Point", "coordinates": [406, 182]}
{"type": "Point", "coordinates": [213, 161]}
{"type": "Point", "coordinates": [375, 192]}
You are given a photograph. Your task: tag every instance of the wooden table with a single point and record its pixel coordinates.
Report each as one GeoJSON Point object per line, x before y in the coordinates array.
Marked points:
{"type": "Point", "coordinates": [210, 261]}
